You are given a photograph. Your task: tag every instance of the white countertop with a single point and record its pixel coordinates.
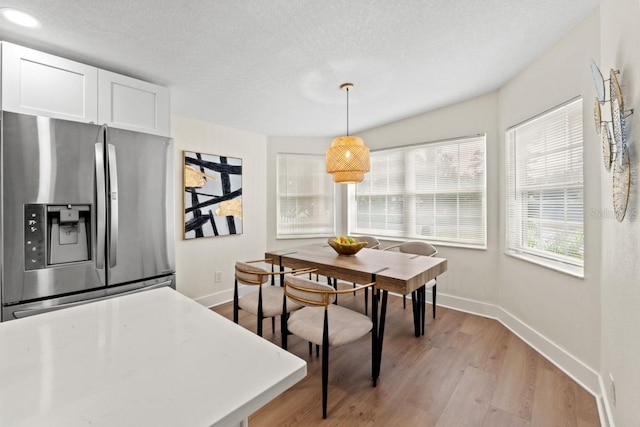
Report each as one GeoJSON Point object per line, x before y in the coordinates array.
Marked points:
{"type": "Point", "coordinates": [154, 358]}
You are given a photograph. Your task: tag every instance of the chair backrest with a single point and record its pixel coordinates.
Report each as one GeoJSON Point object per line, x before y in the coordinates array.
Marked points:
{"type": "Point", "coordinates": [308, 292]}
{"type": "Point", "coordinates": [418, 248]}
{"type": "Point", "coordinates": [372, 242]}
{"type": "Point", "coordinates": [251, 274]}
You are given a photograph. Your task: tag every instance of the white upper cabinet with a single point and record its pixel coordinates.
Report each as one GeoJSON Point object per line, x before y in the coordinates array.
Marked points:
{"type": "Point", "coordinates": [38, 83]}
{"type": "Point", "coordinates": [128, 103]}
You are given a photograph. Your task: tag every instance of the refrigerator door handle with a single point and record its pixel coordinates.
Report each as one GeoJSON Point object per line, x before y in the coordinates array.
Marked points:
{"type": "Point", "coordinates": [113, 203]}
{"type": "Point", "coordinates": [100, 205]}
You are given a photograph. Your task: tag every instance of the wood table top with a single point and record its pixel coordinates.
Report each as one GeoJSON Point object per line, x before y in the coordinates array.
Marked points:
{"type": "Point", "coordinates": [394, 271]}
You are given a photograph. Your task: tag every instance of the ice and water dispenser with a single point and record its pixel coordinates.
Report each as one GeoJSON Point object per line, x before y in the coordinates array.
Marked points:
{"type": "Point", "coordinates": [56, 234]}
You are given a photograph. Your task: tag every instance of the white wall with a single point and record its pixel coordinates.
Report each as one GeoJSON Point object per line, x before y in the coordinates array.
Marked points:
{"type": "Point", "coordinates": [197, 260]}
{"type": "Point", "coordinates": [620, 37]}
{"type": "Point", "coordinates": [562, 308]}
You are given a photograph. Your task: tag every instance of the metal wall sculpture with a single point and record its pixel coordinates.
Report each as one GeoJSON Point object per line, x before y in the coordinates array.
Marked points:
{"type": "Point", "coordinates": [613, 133]}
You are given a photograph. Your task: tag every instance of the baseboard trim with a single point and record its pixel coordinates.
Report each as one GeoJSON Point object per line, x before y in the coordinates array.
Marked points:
{"type": "Point", "coordinates": [604, 408]}
{"type": "Point", "coordinates": [222, 297]}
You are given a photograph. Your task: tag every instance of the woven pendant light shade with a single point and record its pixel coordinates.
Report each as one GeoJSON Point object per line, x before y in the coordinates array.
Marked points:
{"type": "Point", "coordinates": [347, 160]}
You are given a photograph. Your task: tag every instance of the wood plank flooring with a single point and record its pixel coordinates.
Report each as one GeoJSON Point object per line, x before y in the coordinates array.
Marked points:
{"type": "Point", "coordinates": [465, 371]}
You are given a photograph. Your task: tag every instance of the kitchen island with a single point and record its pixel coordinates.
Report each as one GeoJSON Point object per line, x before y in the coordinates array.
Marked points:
{"type": "Point", "coordinates": [155, 358]}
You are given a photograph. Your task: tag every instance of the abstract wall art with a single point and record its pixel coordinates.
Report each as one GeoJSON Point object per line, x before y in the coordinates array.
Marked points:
{"type": "Point", "coordinates": [212, 195]}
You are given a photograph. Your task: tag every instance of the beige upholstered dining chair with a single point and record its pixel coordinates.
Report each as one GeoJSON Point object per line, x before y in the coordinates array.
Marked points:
{"type": "Point", "coordinates": [266, 300]}
{"type": "Point", "coordinates": [372, 242]}
{"type": "Point", "coordinates": [323, 323]}
{"type": "Point", "coordinates": [419, 248]}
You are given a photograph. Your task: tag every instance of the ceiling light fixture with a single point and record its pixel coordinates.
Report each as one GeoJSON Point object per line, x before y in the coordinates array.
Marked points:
{"type": "Point", "coordinates": [19, 17]}
{"type": "Point", "coordinates": [347, 158]}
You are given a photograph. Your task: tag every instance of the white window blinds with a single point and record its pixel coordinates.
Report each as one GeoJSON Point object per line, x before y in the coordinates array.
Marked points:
{"type": "Point", "coordinates": [432, 191]}
{"type": "Point", "coordinates": [305, 194]}
{"type": "Point", "coordinates": [545, 186]}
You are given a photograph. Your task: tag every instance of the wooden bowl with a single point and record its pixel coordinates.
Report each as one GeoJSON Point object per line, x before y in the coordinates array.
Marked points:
{"type": "Point", "coordinates": [348, 249]}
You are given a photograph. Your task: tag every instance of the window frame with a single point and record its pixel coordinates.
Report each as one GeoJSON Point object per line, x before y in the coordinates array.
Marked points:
{"type": "Point", "coordinates": [410, 193]}
{"type": "Point", "coordinates": [321, 193]}
{"type": "Point", "coordinates": [555, 261]}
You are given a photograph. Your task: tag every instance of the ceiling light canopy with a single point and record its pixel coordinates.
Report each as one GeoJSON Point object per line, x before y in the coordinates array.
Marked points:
{"type": "Point", "coordinates": [348, 158]}
{"type": "Point", "coordinates": [19, 17]}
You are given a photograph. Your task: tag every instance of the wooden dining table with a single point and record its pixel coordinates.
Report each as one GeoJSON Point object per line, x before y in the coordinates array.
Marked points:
{"type": "Point", "coordinates": [392, 271]}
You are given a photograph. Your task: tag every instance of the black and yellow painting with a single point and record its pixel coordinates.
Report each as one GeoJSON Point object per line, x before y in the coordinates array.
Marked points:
{"type": "Point", "coordinates": [212, 195]}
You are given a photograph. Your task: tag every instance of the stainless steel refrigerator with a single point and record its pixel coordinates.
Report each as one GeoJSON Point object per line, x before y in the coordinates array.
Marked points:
{"type": "Point", "coordinates": [87, 213]}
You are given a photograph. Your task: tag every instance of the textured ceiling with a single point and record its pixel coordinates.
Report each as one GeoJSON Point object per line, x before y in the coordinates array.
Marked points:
{"type": "Point", "coordinates": [274, 66]}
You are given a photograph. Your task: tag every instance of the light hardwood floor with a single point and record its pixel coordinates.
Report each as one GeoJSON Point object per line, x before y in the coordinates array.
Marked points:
{"type": "Point", "coordinates": [465, 371]}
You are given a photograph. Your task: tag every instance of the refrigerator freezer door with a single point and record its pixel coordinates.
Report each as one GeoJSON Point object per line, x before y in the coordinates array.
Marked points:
{"type": "Point", "coordinates": [144, 196]}
{"type": "Point", "coordinates": [45, 162]}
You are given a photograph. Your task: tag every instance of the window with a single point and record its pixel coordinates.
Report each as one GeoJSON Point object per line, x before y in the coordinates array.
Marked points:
{"type": "Point", "coordinates": [545, 189]}
{"type": "Point", "coordinates": [305, 195]}
{"type": "Point", "coordinates": [433, 191]}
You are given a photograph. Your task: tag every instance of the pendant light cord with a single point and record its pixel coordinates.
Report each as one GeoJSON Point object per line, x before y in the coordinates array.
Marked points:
{"type": "Point", "coordinates": [347, 111]}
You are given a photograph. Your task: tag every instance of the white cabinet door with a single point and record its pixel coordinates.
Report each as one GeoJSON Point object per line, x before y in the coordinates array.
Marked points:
{"type": "Point", "coordinates": [38, 83]}
{"type": "Point", "coordinates": [128, 103]}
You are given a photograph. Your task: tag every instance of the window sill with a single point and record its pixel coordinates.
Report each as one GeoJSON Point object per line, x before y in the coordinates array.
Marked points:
{"type": "Point", "coordinates": [302, 236]}
{"type": "Point", "coordinates": [571, 270]}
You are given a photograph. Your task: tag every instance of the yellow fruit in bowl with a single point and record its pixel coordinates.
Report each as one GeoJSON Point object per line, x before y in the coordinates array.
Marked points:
{"type": "Point", "coordinates": [346, 245]}
{"type": "Point", "coordinates": [342, 240]}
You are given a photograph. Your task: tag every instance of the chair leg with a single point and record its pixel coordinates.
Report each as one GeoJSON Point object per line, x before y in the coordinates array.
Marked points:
{"type": "Point", "coordinates": [310, 348]}
{"type": "Point", "coordinates": [317, 351]}
{"type": "Point", "coordinates": [354, 292]}
{"type": "Point", "coordinates": [260, 314]}
{"type": "Point", "coordinates": [284, 318]}
{"type": "Point", "coordinates": [283, 331]}
{"type": "Point", "coordinates": [404, 301]}
{"type": "Point", "coordinates": [325, 364]}
{"type": "Point", "coordinates": [235, 301]}
{"type": "Point", "coordinates": [273, 325]}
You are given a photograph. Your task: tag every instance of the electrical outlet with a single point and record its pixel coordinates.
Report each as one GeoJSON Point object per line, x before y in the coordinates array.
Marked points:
{"type": "Point", "coordinates": [612, 388]}
{"type": "Point", "coordinates": [218, 277]}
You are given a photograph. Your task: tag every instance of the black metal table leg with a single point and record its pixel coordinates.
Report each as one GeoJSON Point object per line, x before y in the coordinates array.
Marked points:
{"type": "Point", "coordinates": [383, 315]}
{"type": "Point", "coordinates": [415, 307]}
{"type": "Point", "coordinates": [423, 306]}
{"type": "Point", "coordinates": [374, 335]}
{"type": "Point", "coordinates": [366, 300]}
{"type": "Point", "coordinates": [335, 286]}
